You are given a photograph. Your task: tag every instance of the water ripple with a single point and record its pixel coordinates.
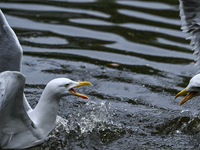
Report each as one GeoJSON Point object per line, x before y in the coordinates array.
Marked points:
{"type": "Point", "coordinates": [134, 54]}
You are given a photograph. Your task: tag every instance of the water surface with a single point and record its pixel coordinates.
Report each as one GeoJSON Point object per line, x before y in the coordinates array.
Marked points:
{"type": "Point", "coordinates": [134, 54]}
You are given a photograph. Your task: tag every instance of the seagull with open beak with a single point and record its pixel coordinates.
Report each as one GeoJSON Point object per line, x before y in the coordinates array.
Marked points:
{"type": "Point", "coordinates": [191, 90]}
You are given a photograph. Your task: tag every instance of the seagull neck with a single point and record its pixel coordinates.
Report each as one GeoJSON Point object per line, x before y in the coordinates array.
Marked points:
{"type": "Point", "coordinates": [45, 112]}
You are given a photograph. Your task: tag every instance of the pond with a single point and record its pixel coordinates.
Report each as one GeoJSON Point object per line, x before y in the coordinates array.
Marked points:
{"type": "Point", "coordinates": [134, 54]}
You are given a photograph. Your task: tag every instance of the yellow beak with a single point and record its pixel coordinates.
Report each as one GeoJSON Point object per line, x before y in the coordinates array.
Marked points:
{"type": "Point", "coordinates": [83, 84]}
{"type": "Point", "coordinates": [78, 94]}
{"type": "Point", "coordinates": [187, 97]}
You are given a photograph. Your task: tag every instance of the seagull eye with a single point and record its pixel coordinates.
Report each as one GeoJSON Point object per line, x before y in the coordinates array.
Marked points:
{"type": "Point", "coordinates": [66, 85]}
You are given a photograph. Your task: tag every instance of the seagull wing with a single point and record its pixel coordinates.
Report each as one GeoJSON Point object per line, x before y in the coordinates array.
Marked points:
{"type": "Point", "coordinates": [10, 49]}
{"type": "Point", "coordinates": [190, 19]}
{"type": "Point", "coordinates": [13, 116]}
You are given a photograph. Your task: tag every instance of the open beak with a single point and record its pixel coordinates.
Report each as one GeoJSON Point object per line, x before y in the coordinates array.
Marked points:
{"type": "Point", "coordinates": [187, 97]}
{"type": "Point", "coordinates": [78, 94]}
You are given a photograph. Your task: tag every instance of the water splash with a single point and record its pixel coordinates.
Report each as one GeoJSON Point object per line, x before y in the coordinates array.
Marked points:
{"type": "Point", "coordinates": [90, 116]}
{"type": "Point", "coordinates": [91, 122]}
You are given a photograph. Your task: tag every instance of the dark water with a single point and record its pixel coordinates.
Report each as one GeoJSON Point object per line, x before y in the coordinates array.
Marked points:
{"type": "Point", "coordinates": [134, 54]}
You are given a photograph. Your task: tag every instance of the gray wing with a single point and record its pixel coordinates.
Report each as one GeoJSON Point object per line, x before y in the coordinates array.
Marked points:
{"type": "Point", "coordinates": [10, 49]}
{"type": "Point", "coordinates": [190, 19]}
{"type": "Point", "coordinates": [13, 116]}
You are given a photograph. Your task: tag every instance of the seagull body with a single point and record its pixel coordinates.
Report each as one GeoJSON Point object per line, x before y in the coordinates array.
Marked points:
{"type": "Point", "coordinates": [20, 128]}
{"type": "Point", "coordinates": [20, 125]}
{"type": "Point", "coordinates": [190, 19]}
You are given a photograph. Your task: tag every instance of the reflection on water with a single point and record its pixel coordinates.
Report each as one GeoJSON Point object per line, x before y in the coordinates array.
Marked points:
{"type": "Point", "coordinates": [134, 54]}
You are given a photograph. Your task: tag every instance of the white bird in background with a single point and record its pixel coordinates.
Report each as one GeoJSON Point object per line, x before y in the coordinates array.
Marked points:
{"type": "Point", "coordinates": [190, 19]}
{"type": "Point", "coordinates": [20, 125]}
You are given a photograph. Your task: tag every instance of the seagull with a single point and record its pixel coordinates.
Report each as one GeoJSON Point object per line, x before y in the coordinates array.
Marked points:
{"type": "Point", "coordinates": [20, 125]}
{"type": "Point", "coordinates": [190, 19]}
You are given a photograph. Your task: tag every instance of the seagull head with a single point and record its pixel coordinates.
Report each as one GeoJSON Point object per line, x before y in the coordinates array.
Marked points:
{"type": "Point", "coordinates": [191, 90]}
{"type": "Point", "coordinates": [63, 87]}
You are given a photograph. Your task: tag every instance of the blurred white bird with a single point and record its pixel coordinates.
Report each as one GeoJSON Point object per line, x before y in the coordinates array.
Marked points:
{"type": "Point", "coordinates": [190, 19]}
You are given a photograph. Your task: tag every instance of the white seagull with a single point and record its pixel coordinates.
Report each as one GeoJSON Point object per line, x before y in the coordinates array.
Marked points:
{"type": "Point", "coordinates": [190, 19]}
{"type": "Point", "coordinates": [20, 125]}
